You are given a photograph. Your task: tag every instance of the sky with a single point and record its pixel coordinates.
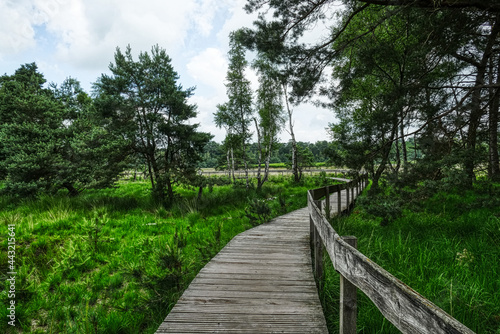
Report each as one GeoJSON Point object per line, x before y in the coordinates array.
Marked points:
{"type": "Point", "coordinates": [78, 39]}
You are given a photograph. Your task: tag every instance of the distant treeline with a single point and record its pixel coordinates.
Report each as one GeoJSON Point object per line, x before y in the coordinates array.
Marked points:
{"type": "Point", "coordinates": [215, 155]}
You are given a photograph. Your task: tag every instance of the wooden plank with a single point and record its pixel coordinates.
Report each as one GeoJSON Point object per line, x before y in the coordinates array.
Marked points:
{"type": "Point", "coordinates": [261, 282]}
{"type": "Point", "coordinates": [203, 292]}
{"type": "Point", "coordinates": [264, 286]}
{"type": "Point", "coordinates": [247, 318]}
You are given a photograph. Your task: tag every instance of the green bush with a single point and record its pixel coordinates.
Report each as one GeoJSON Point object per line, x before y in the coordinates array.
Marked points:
{"type": "Point", "coordinates": [258, 211]}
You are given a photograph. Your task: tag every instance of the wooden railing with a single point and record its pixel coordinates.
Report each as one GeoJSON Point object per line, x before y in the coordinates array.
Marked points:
{"type": "Point", "coordinates": [401, 305]}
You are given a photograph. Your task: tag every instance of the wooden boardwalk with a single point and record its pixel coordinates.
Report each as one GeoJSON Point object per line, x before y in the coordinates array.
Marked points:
{"type": "Point", "coordinates": [261, 282]}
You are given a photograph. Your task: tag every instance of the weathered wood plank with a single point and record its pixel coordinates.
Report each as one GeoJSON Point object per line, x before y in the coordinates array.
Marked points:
{"type": "Point", "coordinates": [348, 299]}
{"type": "Point", "coordinates": [261, 282]}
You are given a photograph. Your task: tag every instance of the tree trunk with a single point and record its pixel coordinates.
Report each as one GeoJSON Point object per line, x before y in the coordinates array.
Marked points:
{"type": "Point", "coordinates": [71, 189]}
{"type": "Point", "coordinates": [403, 144]}
{"type": "Point", "coordinates": [494, 165]}
{"type": "Point", "coordinates": [200, 193]}
{"type": "Point", "coordinates": [385, 158]}
{"type": "Point", "coordinates": [259, 162]}
{"type": "Point", "coordinates": [246, 164]}
{"type": "Point", "coordinates": [295, 167]}
{"type": "Point", "coordinates": [170, 190]}
{"type": "Point", "coordinates": [398, 157]}
{"type": "Point", "coordinates": [151, 176]}
{"type": "Point", "coordinates": [228, 165]}
{"type": "Point", "coordinates": [476, 109]}
{"type": "Point", "coordinates": [268, 160]}
{"type": "Point", "coordinates": [232, 164]}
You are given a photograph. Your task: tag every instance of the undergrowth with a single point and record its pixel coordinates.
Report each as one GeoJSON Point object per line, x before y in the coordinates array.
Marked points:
{"type": "Point", "coordinates": [446, 247]}
{"type": "Point", "coordinates": [114, 261]}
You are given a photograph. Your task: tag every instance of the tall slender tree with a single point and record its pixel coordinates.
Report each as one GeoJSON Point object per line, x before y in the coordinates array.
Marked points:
{"type": "Point", "coordinates": [270, 114]}
{"type": "Point", "coordinates": [236, 113]}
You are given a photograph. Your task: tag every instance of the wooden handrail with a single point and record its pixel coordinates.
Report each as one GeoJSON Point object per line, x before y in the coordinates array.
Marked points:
{"type": "Point", "coordinates": [400, 304]}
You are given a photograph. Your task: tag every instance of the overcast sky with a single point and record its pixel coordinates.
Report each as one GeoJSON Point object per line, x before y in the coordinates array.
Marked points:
{"type": "Point", "coordinates": [78, 38]}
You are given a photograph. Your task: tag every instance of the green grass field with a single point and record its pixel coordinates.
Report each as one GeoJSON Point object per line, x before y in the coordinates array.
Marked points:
{"type": "Point", "coordinates": [113, 261]}
{"type": "Point", "coordinates": [446, 247]}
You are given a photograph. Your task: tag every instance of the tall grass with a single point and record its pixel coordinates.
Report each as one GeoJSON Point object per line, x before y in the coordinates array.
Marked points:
{"type": "Point", "coordinates": [113, 260]}
{"type": "Point", "coordinates": [447, 248]}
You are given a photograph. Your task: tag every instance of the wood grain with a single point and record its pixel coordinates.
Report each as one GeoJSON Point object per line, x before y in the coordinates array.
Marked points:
{"type": "Point", "coordinates": [261, 282]}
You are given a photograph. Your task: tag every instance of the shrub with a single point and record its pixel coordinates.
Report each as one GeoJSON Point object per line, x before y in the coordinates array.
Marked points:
{"type": "Point", "coordinates": [257, 211]}
{"type": "Point", "coordinates": [386, 207]}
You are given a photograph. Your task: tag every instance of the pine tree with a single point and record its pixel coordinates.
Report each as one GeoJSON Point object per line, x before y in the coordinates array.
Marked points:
{"type": "Point", "coordinates": [146, 106]}
{"type": "Point", "coordinates": [50, 140]}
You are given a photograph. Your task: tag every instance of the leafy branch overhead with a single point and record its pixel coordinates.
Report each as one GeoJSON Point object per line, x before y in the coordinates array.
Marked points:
{"type": "Point", "coordinates": [419, 71]}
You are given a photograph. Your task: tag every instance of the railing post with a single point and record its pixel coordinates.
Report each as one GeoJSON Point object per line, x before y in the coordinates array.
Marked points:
{"type": "Point", "coordinates": [311, 224]}
{"type": "Point", "coordinates": [348, 298]}
{"type": "Point", "coordinates": [352, 192]}
{"type": "Point", "coordinates": [327, 202]}
{"type": "Point", "coordinates": [318, 259]}
{"type": "Point", "coordinates": [347, 196]}
{"type": "Point", "coordinates": [339, 200]}
{"type": "Point", "coordinates": [316, 245]}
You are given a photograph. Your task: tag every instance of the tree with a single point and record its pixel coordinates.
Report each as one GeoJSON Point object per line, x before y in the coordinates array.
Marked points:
{"type": "Point", "coordinates": [223, 118]}
{"type": "Point", "coordinates": [270, 114]}
{"type": "Point", "coordinates": [462, 35]}
{"type": "Point", "coordinates": [305, 159]}
{"type": "Point", "coordinates": [492, 6]}
{"type": "Point", "coordinates": [95, 156]}
{"type": "Point", "coordinates": [31, 133]}
{"type": "Point", "coordinates": [381, 83]}
{"type": "Point", "coordinates": [236, 113]}
{"type": "Point", "coordinates": [143, 102]}
{"type": "Point", "coordinates": [50, 140]}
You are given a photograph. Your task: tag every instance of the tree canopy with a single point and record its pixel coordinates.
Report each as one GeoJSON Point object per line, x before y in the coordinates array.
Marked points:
{"type": "Point", "coordinates": [50, 138]}
{"type": "Point", "coordinates": [143, 103]}
{"type": "Point", "coordinates": [420, 70]}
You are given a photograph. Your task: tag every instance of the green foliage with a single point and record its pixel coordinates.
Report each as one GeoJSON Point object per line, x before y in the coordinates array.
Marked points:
{"type": "Point", "coordinates": [51, 139]}
{"type": "Point", "coordinates": [444, 246]}
{"type": "Point", "coordinates": [258, 211]}
{"type": "Point", "coordinates": [386, 207]}
{"type": "Point", "coordinates": [94, 227]}
{"type": "Point", "coordinates": [144, 104]}
{"type": "Point", "coordinates": [112, 260]}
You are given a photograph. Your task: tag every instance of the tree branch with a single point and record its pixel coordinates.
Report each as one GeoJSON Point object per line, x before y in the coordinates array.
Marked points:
{"type": "Point", "coordinates": [491, 6]}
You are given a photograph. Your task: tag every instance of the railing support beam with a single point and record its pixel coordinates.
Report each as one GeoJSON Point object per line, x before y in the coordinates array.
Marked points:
{"type": "Point", "coordinates": [348, 298]}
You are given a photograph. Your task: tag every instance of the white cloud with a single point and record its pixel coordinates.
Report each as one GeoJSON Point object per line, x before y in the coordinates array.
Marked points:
{"type": "Point", "coordinates": [88, 31]}
{"type": "Point", "coordinates": [16, 32]}
{"type": "Point", "coordinates": [207, 106]}
{"type": "Point", "coordinates": [209, 67]}
{"type": "Point", "coordinates": [78, 38]}
{"type": "Point", "coordinates": [96, 28]}
{"type": "Point", "coordinates": [239, 19]}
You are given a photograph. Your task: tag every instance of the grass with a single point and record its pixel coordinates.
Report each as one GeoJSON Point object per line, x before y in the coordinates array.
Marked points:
{"type": "Point", "coordinates": [446, 247]}
{"type": "Point", "coordinates": [113, 261]}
